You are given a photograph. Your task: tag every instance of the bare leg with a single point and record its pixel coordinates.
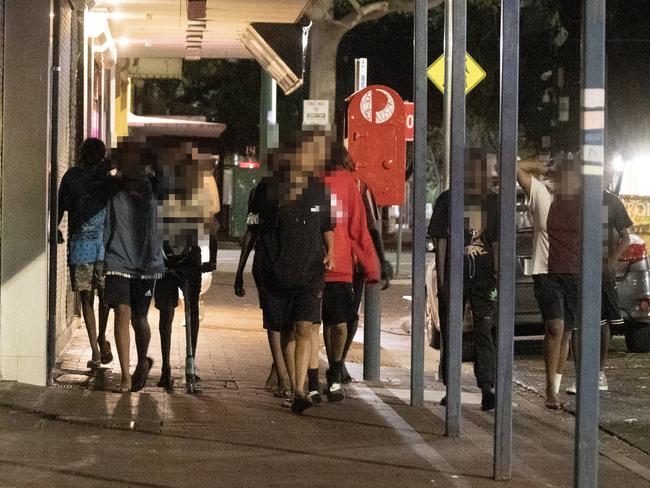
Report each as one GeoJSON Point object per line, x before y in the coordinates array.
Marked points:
{"type": "Point", "coordinates": [553, 339]}
{"type": "Point", "coordinates": [123, 343]}
{"type": "Point", "coordinates": [302, 356]}
{"type": "Point", "coordinates": [88, 311]}
{"type": "Point", "coordinates": [275, 343]}
{"type": "Point", "coordinates": [313, 359]}
{"type": "Point", "coordinates": [289, 353]}
{"type": "Point", "coordinates": [103, 317]}
{"type": "Point", "coordinates": [142, 339]}
{"type": "Point", "coordinates": [165, 329]}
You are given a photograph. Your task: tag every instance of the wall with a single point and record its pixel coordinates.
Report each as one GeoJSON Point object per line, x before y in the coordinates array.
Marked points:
{"type": "Point", "coordinates": [24, 272]}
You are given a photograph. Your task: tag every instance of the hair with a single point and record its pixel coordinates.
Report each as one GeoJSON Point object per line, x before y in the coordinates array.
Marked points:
{"type": "Point", "coordinates": [91, 153]}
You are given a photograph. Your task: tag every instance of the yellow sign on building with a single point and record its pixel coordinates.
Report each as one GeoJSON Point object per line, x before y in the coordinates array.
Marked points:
{"type": "Point", "coordinates": [474, 74]}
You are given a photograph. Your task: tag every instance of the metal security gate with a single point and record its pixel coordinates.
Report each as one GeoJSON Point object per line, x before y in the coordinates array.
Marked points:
{"type": "Point", "coordinates": [63, 137]}
{"type": "Point", "coordinates": [593, 109]}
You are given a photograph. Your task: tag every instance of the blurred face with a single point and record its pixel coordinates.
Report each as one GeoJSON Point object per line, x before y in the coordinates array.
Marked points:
{"type": "Point", "coordinates": [130, 164]}
{"type": "Point", "coordinates": [477, 184]}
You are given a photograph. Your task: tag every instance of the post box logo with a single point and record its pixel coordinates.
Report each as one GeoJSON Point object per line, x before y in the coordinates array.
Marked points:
{"type": "Point", "coordinates": [382, 115]}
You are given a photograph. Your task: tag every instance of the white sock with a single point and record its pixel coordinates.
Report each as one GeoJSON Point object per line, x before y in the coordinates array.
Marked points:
{"type": "Point", "coordinates": [556, 383]}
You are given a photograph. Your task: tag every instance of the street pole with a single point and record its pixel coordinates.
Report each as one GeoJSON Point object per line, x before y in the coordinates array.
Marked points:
{"type": "Point", "coordinates": [372, 298]}
{"type": "Point", "coordinates": [419, 202]}
{"type": "Point", "coordinates": [592, 154]}
{"type": "Point", "coordinates": [502, 469]}
{"type": "Point", "coordinates": [457, 192]}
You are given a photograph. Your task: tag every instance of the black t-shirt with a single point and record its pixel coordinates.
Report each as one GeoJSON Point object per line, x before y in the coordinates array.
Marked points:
{"type": "Point", "coordinates": [478, 251]}
{"type": "Point", "coordinates": [289, 249]}
{"type": "Point", "coordinates": [615, 221]}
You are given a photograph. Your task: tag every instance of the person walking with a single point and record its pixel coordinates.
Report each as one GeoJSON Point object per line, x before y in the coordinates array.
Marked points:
{"type": "Point", "coordinates": [353, 245]}
{"type": "Point", "coordinates": [290, 223]}
{"type": "Point", "coordinates": [187, 209]}
{"type": "Point", "coordinates": [134, 257]}
{"type": "Point", "coordinates": [86, 219]}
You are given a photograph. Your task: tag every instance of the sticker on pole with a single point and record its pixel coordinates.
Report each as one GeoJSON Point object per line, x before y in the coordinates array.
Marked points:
{"type": "Point", "coordinates": [474, 74]}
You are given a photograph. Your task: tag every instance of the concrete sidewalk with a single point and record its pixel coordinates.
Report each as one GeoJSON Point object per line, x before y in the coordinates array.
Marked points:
{"type": "Point", "coordinates": [79, 433]}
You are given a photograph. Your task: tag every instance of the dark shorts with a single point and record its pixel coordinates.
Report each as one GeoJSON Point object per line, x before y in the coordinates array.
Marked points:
{"type": "Point", "coordinates": [338, 303]}
{"type": "Point", "coordinates": [166, 293]}
{"type": "Point", "coordinates": [281, 312]}
{"type": "Point", "coordinates": [557, 297]}
{"type": "Point", "coordinates": [87, 276]}
{"type": "Point", "coordinates": [135, 292]}
{"type": "Point", "coordinates": [609, 308]}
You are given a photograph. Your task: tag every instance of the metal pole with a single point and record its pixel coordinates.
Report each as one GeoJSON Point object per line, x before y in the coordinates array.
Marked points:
{"type": "Point", "coordinates": [419, 202]}
{"type": "Point", "coordinates": [507, 237]}
{"type": "Point", "coordinates": [400, 232]}
{"type": "Point", "coordinates": [457, 181]}
{"type": "Point", "coordinates": [593, 140]}
{"type": "Point", "coordinates": [372, 298]}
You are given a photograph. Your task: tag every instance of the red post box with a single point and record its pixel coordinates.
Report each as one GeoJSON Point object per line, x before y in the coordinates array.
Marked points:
{"type": "Point", "coordinates": [377, 141]}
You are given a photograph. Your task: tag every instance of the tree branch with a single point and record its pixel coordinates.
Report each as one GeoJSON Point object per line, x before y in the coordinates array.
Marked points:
{"type": "Point", "coordinates": [377, 10]}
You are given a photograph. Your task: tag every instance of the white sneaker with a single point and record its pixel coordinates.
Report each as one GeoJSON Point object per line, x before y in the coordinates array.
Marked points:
{"type": "Point", "coordinates": [602, 385]}
{"type": "Point", "coordinates": [602, 382]}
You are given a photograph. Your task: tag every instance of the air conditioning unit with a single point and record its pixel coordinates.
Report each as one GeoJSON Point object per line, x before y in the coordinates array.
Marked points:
{"type": "Point", "coordinates": [280, 49]}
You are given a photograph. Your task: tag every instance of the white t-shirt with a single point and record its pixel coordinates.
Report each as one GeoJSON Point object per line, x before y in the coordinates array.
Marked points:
{"type": "Point", "coordinates": [539, 203]}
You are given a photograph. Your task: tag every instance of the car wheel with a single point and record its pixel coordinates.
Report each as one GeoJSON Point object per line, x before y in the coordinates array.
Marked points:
{"type": "Point", "coordinates": [637, 337]}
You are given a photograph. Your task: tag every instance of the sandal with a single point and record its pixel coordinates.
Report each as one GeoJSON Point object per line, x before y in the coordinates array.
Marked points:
{"type": "Point", "coordinates": [105, 352]}
{"type": "Point", "coordinates": [139, 380]}
{"type": "Point", "coordinates": [93, 364]}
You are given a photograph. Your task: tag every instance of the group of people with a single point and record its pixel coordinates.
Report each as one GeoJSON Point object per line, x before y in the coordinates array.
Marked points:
{"type": "Point", "coordinates": [311, 224]}
{"type": "Point", "coordinates": [134, 223]}
{"type": "Point", "coordinates": [143, 225]}
{"type": "Point", "coordinates": [552, 190]}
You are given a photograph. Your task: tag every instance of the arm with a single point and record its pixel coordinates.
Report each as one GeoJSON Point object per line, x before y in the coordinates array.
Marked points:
{"type": "Point", "coordinates": [621, 247]}
{"type": "Point", "coordinates": [328, 261]}
{"type": "Point", "coordinates": [525, 171]}
{"type": "Point", "coordinates": [363, 245]}
{"type": "Point", "coordinates": [247, 246]}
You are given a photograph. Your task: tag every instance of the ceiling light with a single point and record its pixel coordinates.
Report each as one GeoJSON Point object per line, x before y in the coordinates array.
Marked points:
{"type": "Point", "coordinates": [124, 41]}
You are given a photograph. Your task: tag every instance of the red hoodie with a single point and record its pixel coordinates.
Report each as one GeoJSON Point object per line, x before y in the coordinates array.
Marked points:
{"type": "Point", "coordinates": [351, 236]}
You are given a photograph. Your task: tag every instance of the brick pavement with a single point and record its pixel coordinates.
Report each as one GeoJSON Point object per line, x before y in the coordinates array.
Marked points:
{"type": "Point", "coordinates": [237, 434]}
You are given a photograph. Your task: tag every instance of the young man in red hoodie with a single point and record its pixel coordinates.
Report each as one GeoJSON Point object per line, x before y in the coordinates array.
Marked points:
{"type": "Point", "coordinates": [351, 241]}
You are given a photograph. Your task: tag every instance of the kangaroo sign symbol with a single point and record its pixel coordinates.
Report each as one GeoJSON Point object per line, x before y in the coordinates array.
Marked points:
{"type": "Point", "coordinates": [474, 74]}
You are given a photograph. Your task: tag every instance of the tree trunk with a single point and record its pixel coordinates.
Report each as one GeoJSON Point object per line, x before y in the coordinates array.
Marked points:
{"type": "Point", "coordinates": [324, 39]}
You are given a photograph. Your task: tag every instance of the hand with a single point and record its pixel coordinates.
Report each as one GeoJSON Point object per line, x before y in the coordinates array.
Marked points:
{"type": "Point", "coordinates": [386, 273]}
{"type": "Point", "coordinates": [328, 261]}
{"type": "Point", "coordinates": [239, 285]}
{"type": "Point", "coordinates": [59, 237]}
{"type": "Point", "coordinates": [208, 267]}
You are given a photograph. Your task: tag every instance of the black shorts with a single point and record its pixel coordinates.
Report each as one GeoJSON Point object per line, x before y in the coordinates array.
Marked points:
{"type": "Point", "coordinates": [281, 312]}
{"type": "Point", "coordinates": [338, 303]}
{"type": "Point", "coordinates": [557, 297]}
{"type": "Point", "coordinates": [135, 292]}
{"type": "Point", "coordinates": [609, 308]}
{"type": "Point", "coordinates": [166, 293]}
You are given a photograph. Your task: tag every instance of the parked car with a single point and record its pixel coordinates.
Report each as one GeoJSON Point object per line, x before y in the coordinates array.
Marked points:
{"type": "Point", "coordinates": [633, 288]}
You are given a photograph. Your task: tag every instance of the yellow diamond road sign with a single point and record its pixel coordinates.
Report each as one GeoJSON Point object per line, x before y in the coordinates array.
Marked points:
{"type": "Point", "coordinates": [474, 74]}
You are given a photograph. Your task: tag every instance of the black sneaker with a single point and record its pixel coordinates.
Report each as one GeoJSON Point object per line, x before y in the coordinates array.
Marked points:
{"type": "Point", "coordinates": [335, 393]}
{"type": "Point", "coordinates": [315, 397]}
{"type": "Point", "coordinates": [300, 404]}
{"type": "Point", "coordinates": [488, 400]}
